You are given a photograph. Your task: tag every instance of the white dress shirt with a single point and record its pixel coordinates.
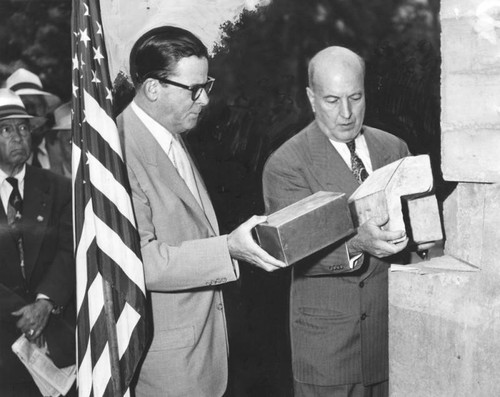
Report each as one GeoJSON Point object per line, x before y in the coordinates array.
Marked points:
{"type": "Point", "coordinates": [173, 148]}
{"type": "Point", "coordinates": [361, 151]}
{"type": "Point", "coordinates": [6, 188]}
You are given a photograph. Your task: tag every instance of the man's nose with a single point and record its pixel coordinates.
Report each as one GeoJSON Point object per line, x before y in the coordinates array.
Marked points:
{"type": "Point", "coordinates": [345, 110]}
{"type": "Point", "coordinates": [16, 134]}
{"type": "Point", "coordinates": [203, 99]}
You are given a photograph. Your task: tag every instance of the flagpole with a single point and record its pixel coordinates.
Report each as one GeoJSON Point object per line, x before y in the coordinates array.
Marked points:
{"type": "Point", "coordinates": [112, 339]}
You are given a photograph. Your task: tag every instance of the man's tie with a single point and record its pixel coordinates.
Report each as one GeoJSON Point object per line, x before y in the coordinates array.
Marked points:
{"type": "Point", "coordinates": [14, 217]}
{"type": "Point", "coordinates": [15, 207]}
{"type": "Point", "coordinates": [183, 165]}
{"type": "Point", "coordinates": [357, 166]}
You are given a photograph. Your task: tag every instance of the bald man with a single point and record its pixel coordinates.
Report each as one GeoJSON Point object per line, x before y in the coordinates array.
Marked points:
{"type": "Point", "coordinates": [338, 298]}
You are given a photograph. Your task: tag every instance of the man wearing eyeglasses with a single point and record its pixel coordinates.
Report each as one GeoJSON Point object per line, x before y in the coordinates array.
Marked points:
{"type": "Point", "coordinates": [37, 274]}
{"type": "Point", "coordinates": [185, 259]}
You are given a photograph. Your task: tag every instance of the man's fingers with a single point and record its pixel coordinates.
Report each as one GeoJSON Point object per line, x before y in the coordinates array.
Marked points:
{"type": "Point", "coordinates": [266, 258]}
{"type": "Point", "coordinates": [386, 248]}
{"type": "Point", "coordinates": [254, 221]}
{"type": "Point", "coordinates": [380, 220]}
{"type": "Point", "coordinates": [18, 312]}
{"type": "Point", "coordinates": [393, 236]}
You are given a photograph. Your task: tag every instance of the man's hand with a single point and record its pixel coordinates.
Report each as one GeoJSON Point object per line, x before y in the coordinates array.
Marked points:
{"type": "Point", "coordinates": [33, 318]}
{"type": "Point", "coordinates": [243, 247]}
{"type": "Point", "coordinates": [375, 241]}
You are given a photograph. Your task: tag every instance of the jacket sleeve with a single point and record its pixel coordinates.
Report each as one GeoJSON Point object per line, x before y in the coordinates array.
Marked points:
{"type": "Point", "coordinates": [193, 263]}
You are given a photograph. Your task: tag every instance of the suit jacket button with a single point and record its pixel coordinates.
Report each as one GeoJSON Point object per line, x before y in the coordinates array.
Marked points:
{"type": "Point", "coordinates": [220, 306]}
{"type": "Point", "coordinates": [361, 284]}
{"type": "Point", "coordinates": [363, 316]}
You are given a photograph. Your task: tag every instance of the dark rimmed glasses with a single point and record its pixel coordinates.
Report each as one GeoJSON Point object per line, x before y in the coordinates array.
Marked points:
{"type": "Point", "coordinates": [196, 89]}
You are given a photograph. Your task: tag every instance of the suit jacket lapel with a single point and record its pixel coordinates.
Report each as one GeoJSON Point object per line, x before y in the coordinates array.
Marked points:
{"type": "Point", "coordinates": [208, 208]}
{"type": "Point", "coordinates": [36, 214]}
{"type": "Point", "coordinates": [157, 160]}
{"type": "Point", "coordinates": [379, 156]}
{"type": "Point", "coordinates": [329, 168]}
{"type": "Point", "coordinates": [5, 229]}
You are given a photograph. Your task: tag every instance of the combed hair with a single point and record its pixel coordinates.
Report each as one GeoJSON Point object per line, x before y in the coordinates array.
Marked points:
{"type": "Point", "coordinates": [157, 52]}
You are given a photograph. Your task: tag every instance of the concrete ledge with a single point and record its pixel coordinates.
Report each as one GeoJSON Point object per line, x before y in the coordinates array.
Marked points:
{"type": "Point", "coordinates": [443, 330]}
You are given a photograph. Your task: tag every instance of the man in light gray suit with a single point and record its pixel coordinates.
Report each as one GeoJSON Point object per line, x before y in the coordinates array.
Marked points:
{"type": "Point", "coordinates": [185, 259]}
{"type": "Point", "coordinates": [338, 299]}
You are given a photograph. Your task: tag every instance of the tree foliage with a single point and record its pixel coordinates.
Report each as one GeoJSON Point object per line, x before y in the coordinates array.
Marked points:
{"type": "Point", "coordinates": [35, 34]}
{"type": "Point", "coordinates": [261, 69]}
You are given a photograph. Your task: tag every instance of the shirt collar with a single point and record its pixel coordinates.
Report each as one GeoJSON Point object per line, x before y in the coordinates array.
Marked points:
{"type": "Point", "coordinates": [19, 176]}
{"type": "Point", "coordinates": [359, 140]}
{"type": "Point", "coordinates": [160, 133]}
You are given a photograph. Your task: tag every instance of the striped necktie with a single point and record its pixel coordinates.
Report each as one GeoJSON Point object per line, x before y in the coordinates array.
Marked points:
{"type": "Point", "coordinates": [357, 166]}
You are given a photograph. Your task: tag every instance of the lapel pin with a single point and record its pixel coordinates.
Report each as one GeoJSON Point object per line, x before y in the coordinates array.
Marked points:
{"type": "Point", "coordinates": [39, 218]}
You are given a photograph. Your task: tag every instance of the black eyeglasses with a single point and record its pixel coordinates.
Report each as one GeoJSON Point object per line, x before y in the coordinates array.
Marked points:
{"type": "Point", "coordinates": [196, 89]}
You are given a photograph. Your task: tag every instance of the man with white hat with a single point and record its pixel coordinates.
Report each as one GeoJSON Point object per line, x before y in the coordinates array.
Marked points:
{"type": "Point", "coordinates": [37, 274]}
{"type": "Point", "coordinates": [38, 103]}
{"type": "Point", "coordinates": [59, 141]}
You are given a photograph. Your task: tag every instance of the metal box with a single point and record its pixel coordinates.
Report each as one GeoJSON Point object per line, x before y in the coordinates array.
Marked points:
{"type": "Point", "coordinates": [306, 226]}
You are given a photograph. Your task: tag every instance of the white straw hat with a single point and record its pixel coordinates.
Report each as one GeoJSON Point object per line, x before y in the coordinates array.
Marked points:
{"type": "Point", "coordinates": [24, 82]}
{"type": "Point", "coordinates": [12, 107]}
{"type": "Point", "coordinates": [62, 117]}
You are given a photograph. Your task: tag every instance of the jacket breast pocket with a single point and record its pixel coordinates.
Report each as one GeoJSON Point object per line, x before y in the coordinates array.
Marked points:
{"type": "Point", "coordinates": [176, 338]}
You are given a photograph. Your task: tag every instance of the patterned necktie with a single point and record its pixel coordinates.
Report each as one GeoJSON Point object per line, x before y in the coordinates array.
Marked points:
{"type": "Point", "coordinates": [15, 207]}
{"type": "Point", "coordinates": [357, 166]}
{"type": "Point", "coordinates": [14, 217]}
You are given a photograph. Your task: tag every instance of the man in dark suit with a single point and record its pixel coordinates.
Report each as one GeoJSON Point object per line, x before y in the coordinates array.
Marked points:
{"type": "Point", "coordinates": [339, 304]}
{"type": "Point", "coordinates": [37, 275]}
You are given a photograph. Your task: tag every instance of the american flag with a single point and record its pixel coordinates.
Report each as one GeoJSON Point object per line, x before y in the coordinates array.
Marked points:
{"type": "Point", "coordinates": [111, 300]}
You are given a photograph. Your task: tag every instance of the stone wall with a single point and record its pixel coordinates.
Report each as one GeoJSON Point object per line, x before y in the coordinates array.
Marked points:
{"type": "Point", "coordinates": [445, 314]}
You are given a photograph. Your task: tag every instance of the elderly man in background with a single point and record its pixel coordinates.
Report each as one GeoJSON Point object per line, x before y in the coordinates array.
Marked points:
{"type": "Point", "coordinates": [338, 298]}
{"type": "Point", "coordinates": [58, 141]}
{"type": "Point", "coordinates": [38, 103]}
{"type": "Point", "coordinates": [37, 274]}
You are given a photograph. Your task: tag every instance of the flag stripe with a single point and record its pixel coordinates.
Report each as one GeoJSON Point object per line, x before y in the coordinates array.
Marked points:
{"type": "Point", "coordinates": [111, 188]}
{"type": "Point", "coordinates": [98, 119]}
{"type": "Point", "coordinates": [111, 244]}
{"type": "Point", "coordinates": [111, 295]}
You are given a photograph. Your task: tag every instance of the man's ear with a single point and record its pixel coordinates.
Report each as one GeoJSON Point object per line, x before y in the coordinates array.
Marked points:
{"type": "Point", "coordinates": [310, 96]}
{"type": "Point", "coordinates": [151, 89]}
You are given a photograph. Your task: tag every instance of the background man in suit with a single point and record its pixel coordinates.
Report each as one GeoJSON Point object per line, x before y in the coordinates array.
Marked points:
{"type": "Point", "coordinates": [58, 141]}
{"type": "Point", "coordinates": [37, 278]}
{"type": "Point", "coordinates": [185, 259]}
{"type": "Point", "coordinates": [338, 313]}
{"type": "Point", "coordinates": [38, 103]}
